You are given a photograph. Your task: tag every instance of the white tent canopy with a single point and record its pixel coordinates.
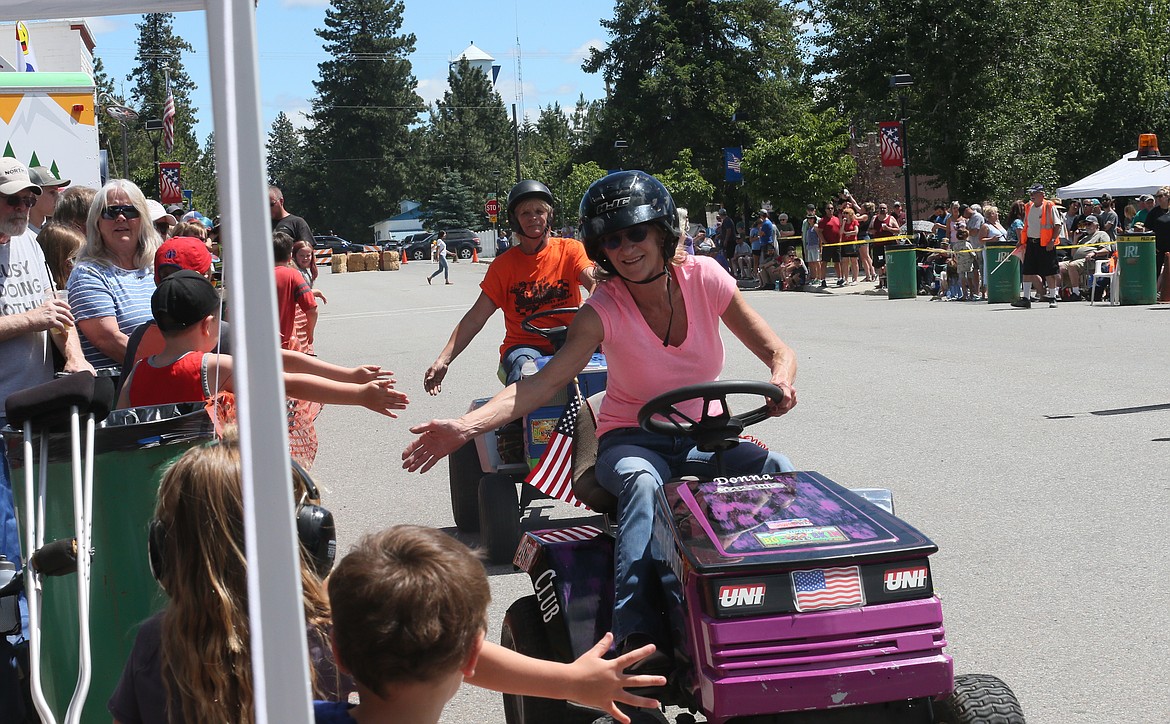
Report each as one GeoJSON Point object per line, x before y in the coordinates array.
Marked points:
{"type": "Point", "coordinates": [1123, 177]}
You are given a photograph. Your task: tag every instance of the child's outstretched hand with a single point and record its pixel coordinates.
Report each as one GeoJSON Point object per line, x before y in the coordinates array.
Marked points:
{"type": "Point", "coordinates": [369, 373]}
{"type": "Point", "coordinates": [601, 683]}
{"type": "Point", "coordinates": [381, 397]}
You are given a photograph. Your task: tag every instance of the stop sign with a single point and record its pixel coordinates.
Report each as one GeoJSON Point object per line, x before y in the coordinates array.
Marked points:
{"type": "Point", "coordinates": [492, 207]}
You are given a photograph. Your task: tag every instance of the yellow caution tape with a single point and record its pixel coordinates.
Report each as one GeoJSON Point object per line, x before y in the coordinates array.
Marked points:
{"type": "Point", "coordinates": [883, 240]}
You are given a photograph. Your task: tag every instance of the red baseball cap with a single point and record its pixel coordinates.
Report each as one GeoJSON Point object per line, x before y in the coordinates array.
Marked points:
{"type": "Point", "coordinates": [182, 252]}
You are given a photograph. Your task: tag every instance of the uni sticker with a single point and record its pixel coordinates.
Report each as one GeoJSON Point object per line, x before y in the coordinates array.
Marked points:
{"type": "Point", "coordinates": [802, 536]}
{"type": "Point", "coordinates": [790, 523]}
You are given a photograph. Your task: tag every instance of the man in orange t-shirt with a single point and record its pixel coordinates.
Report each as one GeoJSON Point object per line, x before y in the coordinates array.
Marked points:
{"type": "Point", "coordinates": [538, 272]}
{"type": "Point", "coordinates": [292, 291]}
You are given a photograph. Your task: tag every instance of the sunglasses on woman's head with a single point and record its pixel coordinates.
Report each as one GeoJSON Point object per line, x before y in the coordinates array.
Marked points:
{"type": "Point", "coordinates": [112, 212]}
{"type": "Point", "coordinates": [636, 235]}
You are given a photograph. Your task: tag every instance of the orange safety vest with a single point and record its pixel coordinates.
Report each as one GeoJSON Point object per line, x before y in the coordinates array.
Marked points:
{"type": "Point", "coordinates": [1048, 235]}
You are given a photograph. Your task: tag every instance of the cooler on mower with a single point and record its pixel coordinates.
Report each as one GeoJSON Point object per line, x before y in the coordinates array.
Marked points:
{"type": "Point", "coordinates": [539, 423]}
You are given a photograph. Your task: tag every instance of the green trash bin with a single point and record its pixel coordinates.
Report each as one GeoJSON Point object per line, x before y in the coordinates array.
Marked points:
{"type": "Point", "coordinates": [130, 456]}
{"type": "Point", "coordinates": [901, 272]}
{"type": "Point", "coordinates": [1003, 284]}
{"type": "Point", "coordinates": [1136, 254]}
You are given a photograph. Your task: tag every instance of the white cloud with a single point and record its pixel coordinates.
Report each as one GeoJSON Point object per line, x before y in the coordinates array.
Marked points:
{"type": "Point", "coordinates": [295, 107]}
{"type": "Point", "coordinates": [100, 25]}
{"type": "Point", "coordinates": [575, 57]}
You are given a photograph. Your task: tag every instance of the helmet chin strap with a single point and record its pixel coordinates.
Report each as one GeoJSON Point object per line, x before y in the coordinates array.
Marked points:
{"type": "Point", "coordinates": [669, 297]}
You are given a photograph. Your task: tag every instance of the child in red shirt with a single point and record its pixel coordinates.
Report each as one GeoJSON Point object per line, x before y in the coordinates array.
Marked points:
{"type": "Point", "coordinates": [186, 308]}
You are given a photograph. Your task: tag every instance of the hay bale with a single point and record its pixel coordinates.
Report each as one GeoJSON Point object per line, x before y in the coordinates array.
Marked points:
{"type": "Point", "coordinates": [371, 260]}
{"type": "Point", "coordinates": [393, 266]}
{"type": "Point", "coordinates": [357, 262]}
{"type": "Point", "coordinates": [388, 261]}
{"type": "Point", "coordinates": [340, 263]}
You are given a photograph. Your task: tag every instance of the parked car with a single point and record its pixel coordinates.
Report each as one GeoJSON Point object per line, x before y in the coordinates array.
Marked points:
{"type": "Point", "coordinates": [339, 245]}
{"type": "Point", "coordinates": [462, 243]}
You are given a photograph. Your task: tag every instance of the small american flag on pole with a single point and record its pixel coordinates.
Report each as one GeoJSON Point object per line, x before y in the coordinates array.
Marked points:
{"type": "Point", "coordinates": [553, 474]}
{"type": "Point", "coordinates": [891, 143]}
{"type": "Point", "coordinates": [169, 120]}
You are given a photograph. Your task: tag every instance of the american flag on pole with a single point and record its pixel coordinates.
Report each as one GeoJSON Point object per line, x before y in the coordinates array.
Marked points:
{"type": "Point", "coordinates": [553, 474]}
{"type": "Point", "coordinates": [891, 135]}
{"type": "Point", "coordinates": [733, 161]}
{"type": "Point", "coordinates": [169, 119]}
{"type": "Point", "coordinates": [827, 588]}
{"type": "Point", "coordinates": [169, 185]}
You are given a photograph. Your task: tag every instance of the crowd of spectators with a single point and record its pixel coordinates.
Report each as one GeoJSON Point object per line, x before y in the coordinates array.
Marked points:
{"type": "Point", "coordinates": [851, 237]}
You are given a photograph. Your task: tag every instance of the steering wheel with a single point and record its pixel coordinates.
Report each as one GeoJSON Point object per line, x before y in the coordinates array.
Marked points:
{"type": "Point", "coordinates": [556, 334]}
{"type": "Point", "coordinates": [716, 428]}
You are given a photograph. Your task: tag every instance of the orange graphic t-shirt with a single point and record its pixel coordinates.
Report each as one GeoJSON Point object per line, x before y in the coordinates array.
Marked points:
{"type": "Point", "coordinates": [522, 284]}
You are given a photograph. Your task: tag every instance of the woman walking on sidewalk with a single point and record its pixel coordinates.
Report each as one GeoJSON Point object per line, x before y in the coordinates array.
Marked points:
{"type": "Point", "coordinates": [441, 253]}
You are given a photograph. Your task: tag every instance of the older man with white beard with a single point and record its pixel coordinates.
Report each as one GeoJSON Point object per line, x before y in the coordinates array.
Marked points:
{"type": "Point", "coordinates": [28, 309]}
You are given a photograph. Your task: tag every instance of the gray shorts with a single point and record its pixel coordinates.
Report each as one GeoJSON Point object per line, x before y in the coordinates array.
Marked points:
{"type": "Point", "coordinates": [812, 252]}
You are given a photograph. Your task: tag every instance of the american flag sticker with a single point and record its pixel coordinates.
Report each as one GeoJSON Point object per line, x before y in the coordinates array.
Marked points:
{"type": "Point", "coordinates": [825, 588]}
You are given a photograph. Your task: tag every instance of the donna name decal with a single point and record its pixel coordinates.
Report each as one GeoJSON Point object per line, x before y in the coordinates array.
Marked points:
{"type": "Point", "coordinates": [801, 536]}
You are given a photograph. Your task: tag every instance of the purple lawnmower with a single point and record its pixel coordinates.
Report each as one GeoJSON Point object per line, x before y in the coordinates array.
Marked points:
{"type": "Point", "coordinates": [790, 598]}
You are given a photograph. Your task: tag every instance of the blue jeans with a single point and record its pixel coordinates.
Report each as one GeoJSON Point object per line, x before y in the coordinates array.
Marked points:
{"type": "Point", "coordinates": [11, 697]}
{"type": "Point", "coordinates": [441, 270]}
{"type": "Point", "coordinates": [512, 363]}
{"type": "Point", "coordinates": [632, 464]}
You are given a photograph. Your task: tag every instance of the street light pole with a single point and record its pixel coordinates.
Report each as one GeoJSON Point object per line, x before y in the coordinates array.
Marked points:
{"type": "Point", "coordinates": [902, 81]}
{"type": "Point", "coordinates": [124, 116]}
{"type": "Point", "coordinates": [154, 129]}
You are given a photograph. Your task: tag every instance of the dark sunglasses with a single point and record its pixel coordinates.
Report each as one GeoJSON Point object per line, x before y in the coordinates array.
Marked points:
{"type": "Point", "coordinates": [112, 212]}
{"type": "Point", "coordinates": [636, 235]}
{"type": "Point", "coordinates": [18, 201]}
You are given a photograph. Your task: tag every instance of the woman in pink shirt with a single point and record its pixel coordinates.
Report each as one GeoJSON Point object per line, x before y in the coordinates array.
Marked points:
{"type": "Point", "coordinates": [658, 314]}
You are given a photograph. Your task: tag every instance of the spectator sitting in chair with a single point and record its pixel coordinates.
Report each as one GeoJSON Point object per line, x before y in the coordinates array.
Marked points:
{"type": "Point", "coordinates": [1084, 259]}
{"type": "Point", "coordinates": [771, 270]}
{"type": "Point", "coordinates": [743, 263]}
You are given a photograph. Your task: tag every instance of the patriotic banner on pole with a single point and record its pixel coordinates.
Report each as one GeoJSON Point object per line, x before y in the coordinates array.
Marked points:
{"type": "Point", "coordinates": [891, 144]}
{"type": "Point", "coordinates": [732, 161]}
{"type": "Point", "coordinates": [169, 185]}
{"type": "Point", "coordinates": [24, 61]}
{"type": "Point", "coordinates": [553, 474]}
{"type": "Point", "coordinates": [169, 119]}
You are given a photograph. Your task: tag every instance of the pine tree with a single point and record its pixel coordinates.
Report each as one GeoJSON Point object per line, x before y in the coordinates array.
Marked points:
{"type": "Point", "coordinates": [361, 148]}
{"type": "Point", "coordinates": [677, 70]}
{"type": "Point", "coordinates": [453, 205]}
{"type": "Point", "coordinates": [470, 131]}
{"type": "Point", "coordinates": [285, 151]}
{"type": "Point", "coordinates": [159, 53]}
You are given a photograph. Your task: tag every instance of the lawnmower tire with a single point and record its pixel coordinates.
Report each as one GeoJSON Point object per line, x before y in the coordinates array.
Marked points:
{"type": "Point", "coordinates": [523, 632]}
{"type": "Point", "coordinates": [979, 699]}
{"type": "Point", "coordinates": [464, 473]}
{"type": "Point", "coordinates": [499, 517]}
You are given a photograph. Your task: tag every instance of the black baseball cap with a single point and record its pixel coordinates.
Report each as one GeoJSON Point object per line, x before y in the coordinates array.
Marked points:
{"type": "Point", "coordinates": [183, 299]}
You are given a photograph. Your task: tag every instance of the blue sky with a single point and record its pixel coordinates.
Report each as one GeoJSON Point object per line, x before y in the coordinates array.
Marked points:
{"type": "Point", "coordinates": [554, 37]}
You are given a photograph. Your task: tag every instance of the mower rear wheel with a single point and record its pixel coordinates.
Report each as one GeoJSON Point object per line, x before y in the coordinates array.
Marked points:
{"type": "Point", "coordinates": [979, 699]}
{"type": "Point", "coordinates": [464, 473]}
{"type": "Point", "coordinates": [524, 633]}
{"type": "Point", "coordinates": [499, 517]}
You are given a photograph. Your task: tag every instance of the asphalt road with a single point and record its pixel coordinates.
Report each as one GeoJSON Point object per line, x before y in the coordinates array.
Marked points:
{"type": "Point", "coordinates": [1031, 445]}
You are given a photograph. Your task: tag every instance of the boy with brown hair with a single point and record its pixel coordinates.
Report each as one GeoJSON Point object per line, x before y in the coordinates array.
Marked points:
{"type": "Point", "coordinates": [409, 616]}
{"type": "Point", "coordinates": [409, 608]}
